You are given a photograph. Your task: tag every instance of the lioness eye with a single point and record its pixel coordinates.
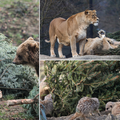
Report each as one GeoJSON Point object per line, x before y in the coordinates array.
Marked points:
{"type": "Point", "coordinates": [20, 57]}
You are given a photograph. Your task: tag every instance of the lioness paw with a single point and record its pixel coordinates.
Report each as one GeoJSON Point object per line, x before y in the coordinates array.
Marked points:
{"type": "Point", "coordinates": [75, 55]}
{"type": "Point", "coordinates": [63, 56]}
{"type": "Point", "coordinates": [53, 55]}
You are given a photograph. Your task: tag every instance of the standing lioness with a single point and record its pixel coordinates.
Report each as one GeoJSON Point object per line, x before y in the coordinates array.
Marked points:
{"type": "Point", "coordinates": [70, 31]}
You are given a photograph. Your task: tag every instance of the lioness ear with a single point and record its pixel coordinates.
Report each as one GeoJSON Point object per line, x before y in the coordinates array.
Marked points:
{"type": "Point", "coordinates": [94, 11]}
{"type": "Point", "coordinates": [86, 12]}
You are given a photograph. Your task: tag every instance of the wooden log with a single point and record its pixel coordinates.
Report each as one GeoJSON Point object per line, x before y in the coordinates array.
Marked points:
{"type": "Point", "coordinates": [21, 101]}
{"type": "Point", "coordinates": [0, 94]}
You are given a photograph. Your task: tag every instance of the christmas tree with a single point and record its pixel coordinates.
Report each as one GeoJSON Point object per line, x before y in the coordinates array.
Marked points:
{"type": "Point", "coordinates": [71, 80]}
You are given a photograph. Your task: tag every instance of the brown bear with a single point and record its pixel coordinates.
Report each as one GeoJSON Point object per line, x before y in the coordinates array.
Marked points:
{"type": "Point", "coordinates": [28, 54]}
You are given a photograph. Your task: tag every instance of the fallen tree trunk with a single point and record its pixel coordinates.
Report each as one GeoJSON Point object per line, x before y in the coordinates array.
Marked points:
{"type": "Point", "coordinates": [21, 101]}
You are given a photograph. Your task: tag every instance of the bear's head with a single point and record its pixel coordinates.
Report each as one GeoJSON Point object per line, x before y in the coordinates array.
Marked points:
{"type": "Point", "coordinates": [28, 53]}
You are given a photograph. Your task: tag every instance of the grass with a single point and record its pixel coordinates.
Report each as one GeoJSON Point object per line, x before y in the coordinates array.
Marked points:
{"type": "Point", "coordinates": [7, 113]}
{"type": "Point", "coordinates": [19, 115]}
{"type": "Point", "coordinates": [9, 97]}
{"type": "Point", "coordinates": [2, 114]}
{"type": "Point", "coordinates": [3, 3]}
{"type": "Point", "coordinates": [14, 20]}
{"type": "Point", "coordinates": [23, 116]}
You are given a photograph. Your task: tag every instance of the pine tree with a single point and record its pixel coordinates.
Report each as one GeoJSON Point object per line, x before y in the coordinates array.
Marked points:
{"type": "Point", "coordinates": [72, 80]}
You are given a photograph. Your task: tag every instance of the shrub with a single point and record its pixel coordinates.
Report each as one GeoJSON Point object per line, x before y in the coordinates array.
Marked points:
{"type": "Point", "coordinates": [32, 109]}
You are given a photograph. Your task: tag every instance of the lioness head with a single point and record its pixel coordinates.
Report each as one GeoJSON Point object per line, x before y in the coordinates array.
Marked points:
{"type": "Point", "coordinates": [91, 17]}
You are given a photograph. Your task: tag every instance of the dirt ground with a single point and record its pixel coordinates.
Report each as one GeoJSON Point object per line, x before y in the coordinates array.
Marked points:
{"type": "Point", "coordinates": [16, 112]}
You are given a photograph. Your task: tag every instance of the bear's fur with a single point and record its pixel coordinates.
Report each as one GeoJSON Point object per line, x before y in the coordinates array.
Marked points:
{"type": "Point", "coordinates": [28, 54]}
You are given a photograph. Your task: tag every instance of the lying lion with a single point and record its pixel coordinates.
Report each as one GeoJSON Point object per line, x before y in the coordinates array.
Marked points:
{"type": "Point", "coordinates": [71, 31]}
{"type": "Point", "coordinates": [99, 43]}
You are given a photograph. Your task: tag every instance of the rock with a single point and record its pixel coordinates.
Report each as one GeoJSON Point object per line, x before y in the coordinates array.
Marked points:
{"type": "Point", "coordinates": [103, 117]}
{"type": "Point", "coordinates": [94, 117]}
{"type": "Point", "coordinates": [118, 117]}
{"type": "Point", "coordinates": [48, 104]}
{"type": "Point", "coordinates": [48, 57]}
{"type": "Point", "coordinates": [111, 117]}
{"type": "Point", "coordinates": [85, 57]}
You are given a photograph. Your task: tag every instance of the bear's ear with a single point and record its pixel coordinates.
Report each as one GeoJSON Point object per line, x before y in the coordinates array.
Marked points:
{"type": "Point", "coordinates": [30, 38]}
{"type": "Point", "coordinates": [33, 47]}
{"type": "Point", "coordinates": [86, 12]}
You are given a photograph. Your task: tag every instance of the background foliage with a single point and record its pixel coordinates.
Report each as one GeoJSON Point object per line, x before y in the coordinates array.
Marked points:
{"type": "Point", "coordinates": [72, 80]}
{"type": "Point", "coordinates": [16, 80]}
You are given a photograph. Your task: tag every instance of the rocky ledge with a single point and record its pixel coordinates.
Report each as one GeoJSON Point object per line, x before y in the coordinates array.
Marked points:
{"type": "Point", "coordinates": [103, 116]}
{"type": "Point", "coordinates": [86, 57]}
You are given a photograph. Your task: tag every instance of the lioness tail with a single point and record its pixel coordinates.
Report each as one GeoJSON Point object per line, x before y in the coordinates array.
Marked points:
{"type": "Point", "coordinates": [47, 41]}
